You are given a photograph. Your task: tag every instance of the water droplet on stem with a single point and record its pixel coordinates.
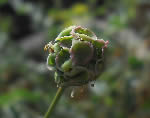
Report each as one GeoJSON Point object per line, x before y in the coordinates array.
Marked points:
{"type": "Point", "coordinates": [72, 93]}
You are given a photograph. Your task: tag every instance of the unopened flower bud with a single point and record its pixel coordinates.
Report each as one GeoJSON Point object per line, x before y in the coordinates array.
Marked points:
{"type": "Point", "coordinates": [76, 55]}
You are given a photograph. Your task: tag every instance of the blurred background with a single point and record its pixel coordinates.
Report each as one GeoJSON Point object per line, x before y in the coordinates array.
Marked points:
{"type": "Point", "coordinates": [27, 86]}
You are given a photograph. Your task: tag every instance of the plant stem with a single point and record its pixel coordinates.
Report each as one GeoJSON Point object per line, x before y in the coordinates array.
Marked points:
{"type": "Point", "coordinates": [54, 102]}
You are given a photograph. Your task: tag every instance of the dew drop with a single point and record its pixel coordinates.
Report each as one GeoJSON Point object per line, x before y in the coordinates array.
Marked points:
{"type": "Point", "coordinates": [72, 93]}
{"type": "Point", "coordinates": [102, 51]}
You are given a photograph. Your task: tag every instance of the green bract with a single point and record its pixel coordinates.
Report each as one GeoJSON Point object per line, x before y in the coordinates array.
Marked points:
{"type": "Point", "coordinates": [76, 55]}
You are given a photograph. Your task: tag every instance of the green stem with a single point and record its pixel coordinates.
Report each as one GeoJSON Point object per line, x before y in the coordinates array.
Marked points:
{"type": "Point", "coordinates": [54, 102]}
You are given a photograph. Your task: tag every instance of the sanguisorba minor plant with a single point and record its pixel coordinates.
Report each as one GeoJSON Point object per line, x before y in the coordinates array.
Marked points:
{"type": "Point", "coordinates": [76, 56]}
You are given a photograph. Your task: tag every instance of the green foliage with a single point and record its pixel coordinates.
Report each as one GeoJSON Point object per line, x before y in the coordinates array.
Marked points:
{"type": "Point", "coordinates": [135, 63]}
{"type": "Point", "coordinates": [18, 95]}
{"type": "Point", "coordinates": [5, 24]}
{"type": "Point", "coordinates": [3, 2]}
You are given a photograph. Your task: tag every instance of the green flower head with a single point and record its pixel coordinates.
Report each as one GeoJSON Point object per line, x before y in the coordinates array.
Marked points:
{"type": "Point", "coordinates": [76, 55]}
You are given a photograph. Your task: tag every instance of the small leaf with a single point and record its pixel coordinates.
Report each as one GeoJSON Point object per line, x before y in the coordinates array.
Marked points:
{"type": "Point", "coordinates": [98, 45]}
{"type": "Point", "coordinates": [62, 56]}
{"type": "Point", "coordinates": [86, 38]}
{"type": "Point", "coordinates": [56, 47]}
{"type": "Point", "coordinates": [65, 32]}
{"type": "Point", "coordinates": [51, 59]}
{"type": "Point", "coordinates": [80, 78]}
{"type": "Point", "coordinates": [75, 70]}
{"type": "Point", "coordinates": [67, 65]}
{"type": "Point", "coordinates": [81, 52]}
{"type": "Point", "coordinates": [84, 31]}
{"type": "Point", "coordinates": [65, 41]}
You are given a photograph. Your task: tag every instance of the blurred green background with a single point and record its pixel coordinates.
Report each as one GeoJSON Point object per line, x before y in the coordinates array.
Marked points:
{"type": "Point", "coordinates": [27, 86]}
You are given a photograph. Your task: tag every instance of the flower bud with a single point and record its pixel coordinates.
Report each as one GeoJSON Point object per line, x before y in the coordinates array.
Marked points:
{"type": "Point", "coordinates": [76, 55]}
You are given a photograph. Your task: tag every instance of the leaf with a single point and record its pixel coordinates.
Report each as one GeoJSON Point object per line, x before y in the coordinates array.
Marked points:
{"type": "Point", "coordinates": [62, 56]}
{"type": "Point", "coordinates": [86, 38]}
{"type": "Point", "coordinates": [81, 76]}
{"type": "Point", "coordinates": [56, 48]}
{"type": "Point", "coordinates": [65, 32]}
{"type": "Point", "coordinates": [75, 70]}
{"type": "Point", "coordinates": [65, 41]}
{"type": "Point", "coordinates": [67, 65]}
{"type": "Point", "coordinates": [51, 59]}
{"type": "Point", "coordinates": [98, 45]}
{"type": "Point", "coordinates": [84, 31]}
{"type": "Point", "coordinates": [81, 52]}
